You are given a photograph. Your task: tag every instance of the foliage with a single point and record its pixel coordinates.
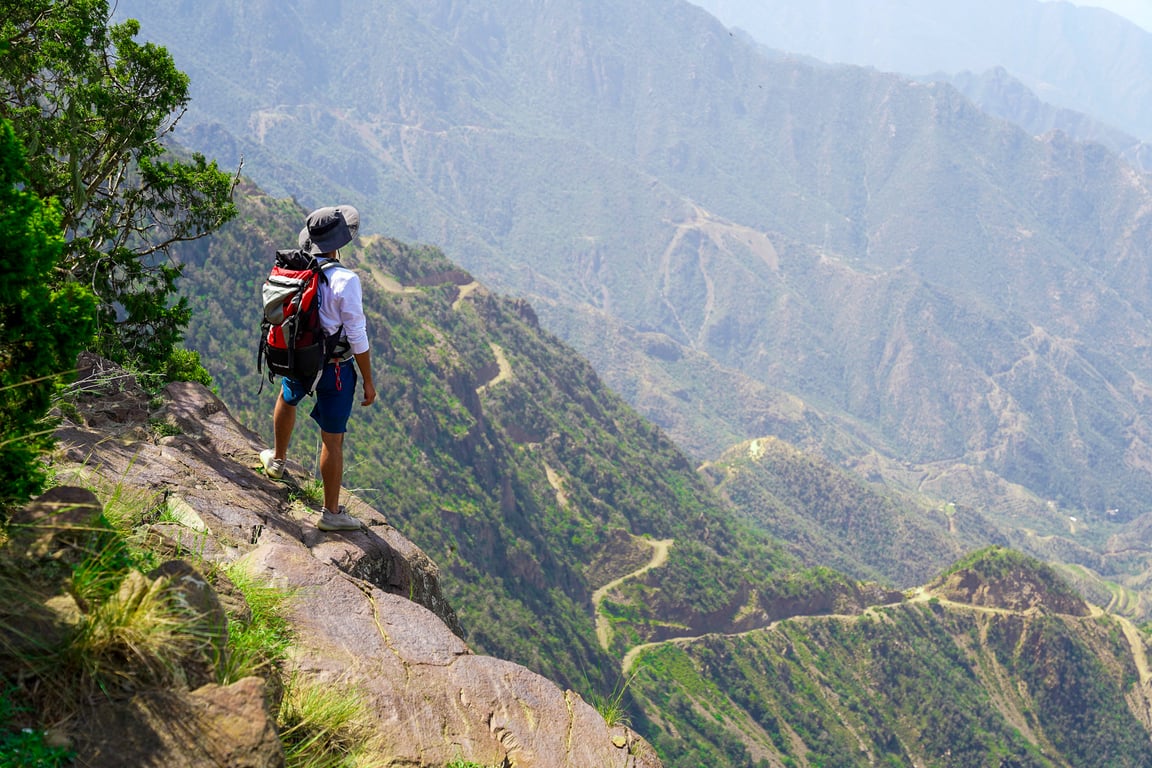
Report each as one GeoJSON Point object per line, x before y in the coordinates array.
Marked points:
{"type": "Point", "coordinates": [903, 685]}
{"type": "Point", "coordinates": [833, 518]}
{"type": "Point", "coordinates": [995, 563]}
{"type": "Point", "coordinates": [93, 106]}
{"type": "Point", "coordinates": [41, 328]}
{"type": "Point", "coordinates": [185, 365]}
{"type": "Point", "coordinates": [125, 631]}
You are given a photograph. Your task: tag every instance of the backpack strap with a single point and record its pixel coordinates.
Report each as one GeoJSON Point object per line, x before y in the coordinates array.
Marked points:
{"type": "Point", "coordinates": [335, 343]}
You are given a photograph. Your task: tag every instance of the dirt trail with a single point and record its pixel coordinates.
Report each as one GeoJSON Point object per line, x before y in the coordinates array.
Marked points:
{"type": "Point", "coordinates": [385, 280]}
{"type": "Point", "coordinates": [504, 369]}
{"type": "Point", "coordinates": [1140, 656]}
{"type": "Point", "coordinates": [659, 557]}
{"type": "Point", "coordinates": [465, 292]}
{"type": "Point", "coordinates": [918, 595]}
{"type": "Point", "coordinates": [1139, 653]}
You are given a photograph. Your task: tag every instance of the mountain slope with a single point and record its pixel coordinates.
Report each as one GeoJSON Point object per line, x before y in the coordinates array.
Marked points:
{"type": "Point", "coordinates": [828, 517]}
{"type": "Point", "coordinates": [926, 683]}
{"type": "Point", "coordinates": [1001, 95]}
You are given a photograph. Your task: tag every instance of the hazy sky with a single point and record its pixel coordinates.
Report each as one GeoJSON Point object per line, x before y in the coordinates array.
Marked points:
{"type": "Point", "coordinates": [1137, 11]}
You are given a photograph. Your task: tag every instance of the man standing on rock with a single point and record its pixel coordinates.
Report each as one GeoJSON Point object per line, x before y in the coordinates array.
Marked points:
{"type": "Point", "coordinates": [341, 311]}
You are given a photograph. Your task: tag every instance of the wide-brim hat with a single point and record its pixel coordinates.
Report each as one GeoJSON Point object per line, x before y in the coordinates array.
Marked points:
{"type": "Point", "coordinates": [329, 229]}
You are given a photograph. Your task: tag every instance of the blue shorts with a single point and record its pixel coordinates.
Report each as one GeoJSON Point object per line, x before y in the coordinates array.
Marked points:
{"type": "Point", "coordinates": [334, 396]}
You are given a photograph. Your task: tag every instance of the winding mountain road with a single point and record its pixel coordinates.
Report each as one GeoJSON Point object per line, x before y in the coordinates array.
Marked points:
{"type": "Point", "coordinates": [659, 557]}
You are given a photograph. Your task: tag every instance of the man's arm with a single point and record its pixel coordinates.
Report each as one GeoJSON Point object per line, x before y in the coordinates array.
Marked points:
{"type": "Point", "coordinates": [364, 363]}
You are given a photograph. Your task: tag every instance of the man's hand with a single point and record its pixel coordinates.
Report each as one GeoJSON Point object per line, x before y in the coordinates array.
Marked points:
{"type": "Point", "coordinates": [369, 393]}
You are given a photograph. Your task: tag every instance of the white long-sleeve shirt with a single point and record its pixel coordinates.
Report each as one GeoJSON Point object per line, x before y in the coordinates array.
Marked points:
{"type": "Point", "coordinates": [342, 304]}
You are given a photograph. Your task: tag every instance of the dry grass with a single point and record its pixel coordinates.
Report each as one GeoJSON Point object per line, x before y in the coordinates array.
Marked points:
{"type": "Point", "coordinates": [325, 726]}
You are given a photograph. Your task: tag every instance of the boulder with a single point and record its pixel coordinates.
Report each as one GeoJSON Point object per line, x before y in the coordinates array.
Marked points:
{"type": "Point", "coordinates": [206, 728]}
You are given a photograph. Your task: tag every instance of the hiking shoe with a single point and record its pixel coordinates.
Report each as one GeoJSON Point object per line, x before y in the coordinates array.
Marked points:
{"type": "Point", "coordinates": [273, 467]}
{"type": "Point", "coordinates": [338, 521]}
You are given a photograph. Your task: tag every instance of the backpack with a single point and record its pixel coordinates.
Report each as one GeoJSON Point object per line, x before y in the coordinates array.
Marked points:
{"type": "Point", "coordinates": [292, 341]}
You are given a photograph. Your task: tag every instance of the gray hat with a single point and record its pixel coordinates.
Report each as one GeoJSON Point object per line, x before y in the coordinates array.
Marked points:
{"type": "Point", "coordinates": [329, 229]}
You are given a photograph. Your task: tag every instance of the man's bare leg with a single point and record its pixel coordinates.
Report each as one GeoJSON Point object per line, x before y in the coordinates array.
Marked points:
{"type": "Point", "coordinates": [332, 468]}
{"type": "Point", "coordinates": [283, 422]}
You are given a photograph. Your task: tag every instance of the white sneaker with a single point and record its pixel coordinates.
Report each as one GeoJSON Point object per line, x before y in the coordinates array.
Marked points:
{"type": "Point", "coordinates": [273, 467]}
{"type": "Point", "coordinates": [338, 521]}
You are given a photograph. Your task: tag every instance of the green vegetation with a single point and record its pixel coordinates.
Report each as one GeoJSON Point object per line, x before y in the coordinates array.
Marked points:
{"type": "Point", "coordinates": [94, 107]}
{"type": "Point", "coordinates": [835, 519]}
{"type": "Point", "coordinates": [41, 328]}
{"type": "Point", "coordinates": [85, 624]}
{"type": "Point", "coordinates": [999, 563]}
{"type": "Point", "coordinates": [24, 747]}
{"type": "Point", "coordinates": [87, 621]}
{"type": "Point", "coordinates": [258, 642]}
{"type": "Point", "coordinates": [908, 684]}
{"type": "Point", "coordinates": [614, 707]}
{"type": "Point", "coordinates": [90, 206]}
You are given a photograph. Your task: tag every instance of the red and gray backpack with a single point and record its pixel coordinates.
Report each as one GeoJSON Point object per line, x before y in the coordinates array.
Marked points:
{"type": "Point", "coordinates": [292, 341]}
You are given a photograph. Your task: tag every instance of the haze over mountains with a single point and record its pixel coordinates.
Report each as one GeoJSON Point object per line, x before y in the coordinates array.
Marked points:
{"type": "Point", "coordinates": [743, 244]}
{"type": "Point", "coordinates": [1081, 58]}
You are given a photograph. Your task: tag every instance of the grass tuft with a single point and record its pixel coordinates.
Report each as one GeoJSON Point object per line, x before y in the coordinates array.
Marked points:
{"type": "Point", "coordinates": [612, 707]}
{"type": "Point", "coordinates": [135, 636]}
{"type": "Point", "coordinates": [322, 726]}
{"type": "Point", "coordinates": [257, 643]}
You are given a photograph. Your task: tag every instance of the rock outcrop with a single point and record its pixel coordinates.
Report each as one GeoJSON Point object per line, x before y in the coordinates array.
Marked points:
{"type": "Point", "coordinates": [367, 607]}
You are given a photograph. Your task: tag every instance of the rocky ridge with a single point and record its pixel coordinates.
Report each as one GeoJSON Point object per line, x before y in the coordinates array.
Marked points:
{"type": "Point", "coordinates": [367, 608]}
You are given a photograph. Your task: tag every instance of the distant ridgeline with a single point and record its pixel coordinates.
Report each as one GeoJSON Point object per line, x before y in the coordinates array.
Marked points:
{"type": "Point", "coordinates": [574, 538]}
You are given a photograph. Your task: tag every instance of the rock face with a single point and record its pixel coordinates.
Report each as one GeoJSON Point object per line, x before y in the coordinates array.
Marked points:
{"type": "Point", "coordinates": [367, 606]}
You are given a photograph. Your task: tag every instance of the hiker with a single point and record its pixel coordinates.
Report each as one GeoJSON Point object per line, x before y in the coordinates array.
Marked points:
{"type": "Point", "coordinates": [341, 312]}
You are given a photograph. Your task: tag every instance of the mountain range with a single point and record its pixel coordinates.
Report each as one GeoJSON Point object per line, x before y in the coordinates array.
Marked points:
{"type": "Point", "coordinates": [839, 269]}
{"type": "Point", "coordinates": [744, 245]}
{"type": "Point", "coordinates": [790, 413]}
{"type": "Point", "coordinates": [1080, 58]}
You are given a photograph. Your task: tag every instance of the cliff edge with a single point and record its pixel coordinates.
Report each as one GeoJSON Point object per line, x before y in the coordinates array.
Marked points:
{"type": "Point", "coordinates": [366, 608]}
